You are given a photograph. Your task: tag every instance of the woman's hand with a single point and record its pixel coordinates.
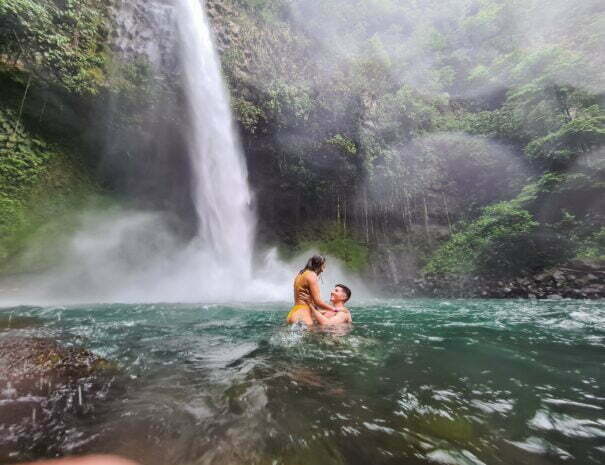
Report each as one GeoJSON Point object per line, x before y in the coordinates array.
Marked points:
{"type": "Point", "coordinates": [315, 294]}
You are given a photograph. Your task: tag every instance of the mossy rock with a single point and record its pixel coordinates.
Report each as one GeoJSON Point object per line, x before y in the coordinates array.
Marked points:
{"type": "Point", "coordinates": [27, 360]}
{"type": "Point", "coordinates": [47, 388]}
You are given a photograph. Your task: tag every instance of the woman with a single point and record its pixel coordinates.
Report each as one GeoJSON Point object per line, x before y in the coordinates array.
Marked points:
{"type": "Point", "coordinates": [306, 292]}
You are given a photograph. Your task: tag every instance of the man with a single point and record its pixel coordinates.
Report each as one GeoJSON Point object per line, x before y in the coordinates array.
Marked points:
{"type": "Point", "coordinates": [338, 297]}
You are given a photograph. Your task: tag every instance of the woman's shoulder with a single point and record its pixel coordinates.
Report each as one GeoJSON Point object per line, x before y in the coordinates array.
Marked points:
{"type": "Point", "coordinates": [309, 274]}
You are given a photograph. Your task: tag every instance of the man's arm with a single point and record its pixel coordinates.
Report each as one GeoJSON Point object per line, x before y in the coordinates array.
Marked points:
{"type": "Point", "coordinates": [339, 318]}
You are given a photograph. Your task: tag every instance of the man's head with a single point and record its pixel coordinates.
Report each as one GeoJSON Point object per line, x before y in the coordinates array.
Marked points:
{"type": "Point", "coordinates": [340, 294]}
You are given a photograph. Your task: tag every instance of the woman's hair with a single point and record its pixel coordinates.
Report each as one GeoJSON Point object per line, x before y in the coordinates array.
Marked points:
{"type": "Point", "coordinates": [314, 264]}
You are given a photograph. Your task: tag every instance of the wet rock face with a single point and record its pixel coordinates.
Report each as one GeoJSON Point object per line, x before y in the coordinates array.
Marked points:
{"type": "Point", "coordinates": [23, 360]}
{"type": "Point", "coordinates": [221, 17]}
{"type": "Point", "coordinates": [45, 388]}
{"type": "Point", "coordinates": [144, 28]}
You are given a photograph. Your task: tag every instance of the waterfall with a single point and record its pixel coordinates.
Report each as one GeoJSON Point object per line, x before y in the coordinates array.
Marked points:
{"type": "Point", "coordinates": [130, 255]}
{"type": "Point", "coordinates": [220, 182]}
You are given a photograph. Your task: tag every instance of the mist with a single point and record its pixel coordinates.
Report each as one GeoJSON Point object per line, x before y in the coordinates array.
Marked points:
{"type": "Point", "coordinates": [134, 257]}
{"type": "Point", "coordinates": [410, 41]}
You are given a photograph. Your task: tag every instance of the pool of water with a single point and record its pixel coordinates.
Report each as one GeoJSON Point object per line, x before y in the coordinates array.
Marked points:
{"type": "Point", "coordinates": [413, 382]}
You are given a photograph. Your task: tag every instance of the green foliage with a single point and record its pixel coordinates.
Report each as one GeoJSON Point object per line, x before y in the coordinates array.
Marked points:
{"type": "Point", "coordinates": [505, 239]}
{"type": "Point", "coordinates": [41, 189]}
{"type": "Point", "coordinates": [11, 217]}
{"type": "Point", "coordinates": [59, 41]}
{"type": "Point", "coordinates": [333, 241]}
{"type": "Point", "coordinates": [530, 232]}
{"type": "Point", "coordinates": [499, 124]}
{"type": "Point", "coordinates": [268, 10]}
{"type": "Point", "coordinates": [288, 104]}
{"type": "Point", "coordinates": [583, 133]}
{"type": "Point", "coordinates": [346, 145]}
{"type": "Point", "coordinates": [593, 246]}
{"type": "Point", "coordinates": [248, 114]}
{"type": "Point", "coordinates": [22, 158]}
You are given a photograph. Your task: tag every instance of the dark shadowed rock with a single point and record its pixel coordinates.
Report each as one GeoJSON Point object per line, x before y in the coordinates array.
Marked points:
{"type": "Point", "coordinates": [44, 388]}
{"type": "Point", "coordinates": [23, 360]}
{"type": "Point", "coordinates": [559, 278]}
{"type": "Point", "coordinates": [578, 279]}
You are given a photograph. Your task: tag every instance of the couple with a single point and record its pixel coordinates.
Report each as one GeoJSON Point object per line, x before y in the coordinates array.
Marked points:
{"type": "Point", "coordinates": [307, 298]}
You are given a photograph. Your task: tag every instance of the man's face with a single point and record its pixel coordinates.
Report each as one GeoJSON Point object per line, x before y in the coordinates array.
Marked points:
{"type": "Point", "coordinates": [338, 295]}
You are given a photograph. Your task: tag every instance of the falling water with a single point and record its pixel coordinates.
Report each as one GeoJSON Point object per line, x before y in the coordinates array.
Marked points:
{"type": "Point", "coordinates": [220, 186]}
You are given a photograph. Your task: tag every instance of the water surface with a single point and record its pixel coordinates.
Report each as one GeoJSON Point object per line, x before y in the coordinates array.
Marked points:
{"type": "Point", "coordinates": [414, 382]}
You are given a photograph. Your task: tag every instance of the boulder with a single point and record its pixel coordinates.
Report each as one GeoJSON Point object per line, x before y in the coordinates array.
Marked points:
{"type": "Point", "coordinates": [586, 264]}
{"type": "Point", "coordinates": [543, 278]}
{"type": "Point", "coordinates": [23, 360]}
{"type": "Point", "coordinates": [559, 277]}
{"type": "Point", "coordinates": [591, 278]}
{"type": "Point", "coordinates": [44, 387]}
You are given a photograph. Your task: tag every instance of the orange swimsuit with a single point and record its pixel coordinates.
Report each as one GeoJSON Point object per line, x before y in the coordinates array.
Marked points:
{"type": "Point", "coordinates": [302, 295]}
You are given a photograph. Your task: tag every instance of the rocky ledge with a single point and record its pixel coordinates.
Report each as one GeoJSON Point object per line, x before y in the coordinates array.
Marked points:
{"type": "Point", "coordinates": [577, 279]}
{"type": "Point", "coordinates": [26, 359]}
{"type": "Point", "coordinates": [44, 388]}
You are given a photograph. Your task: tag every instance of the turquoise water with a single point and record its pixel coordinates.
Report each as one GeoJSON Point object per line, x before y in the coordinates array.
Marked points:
{"type": "Point", "coordinates": [413, 382]}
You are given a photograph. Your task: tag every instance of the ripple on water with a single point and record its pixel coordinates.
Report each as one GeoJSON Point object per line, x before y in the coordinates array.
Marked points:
{"type": "Point", "coordinates": [453, 457]}
{"type": "Point", "coordinates": [502, 406]}
{"type": "Point", "coordinates": [567, 425]}
{"type": "Point", "coordinates": [225, 355]}
{"type": "Point", "coordinates": [540, 446]}
{"type": "Point", "coordinates": [566, 402]}
{"type": "Point", "coordinates": [515, 371]}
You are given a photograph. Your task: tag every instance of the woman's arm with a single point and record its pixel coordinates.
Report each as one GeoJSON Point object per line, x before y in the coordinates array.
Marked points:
{"type": "Point", "coordinates": [315, 293]}
{"type": "Point", "coordinates": [322, 320]}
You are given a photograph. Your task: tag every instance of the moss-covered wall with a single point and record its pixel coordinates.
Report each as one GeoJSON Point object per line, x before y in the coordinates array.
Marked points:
{"type": "Point", "coordinates": [42, 188]}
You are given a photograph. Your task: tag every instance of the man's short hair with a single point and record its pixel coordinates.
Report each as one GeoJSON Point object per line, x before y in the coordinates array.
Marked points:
{"type": "Point", "coordinates": [346, 290]}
